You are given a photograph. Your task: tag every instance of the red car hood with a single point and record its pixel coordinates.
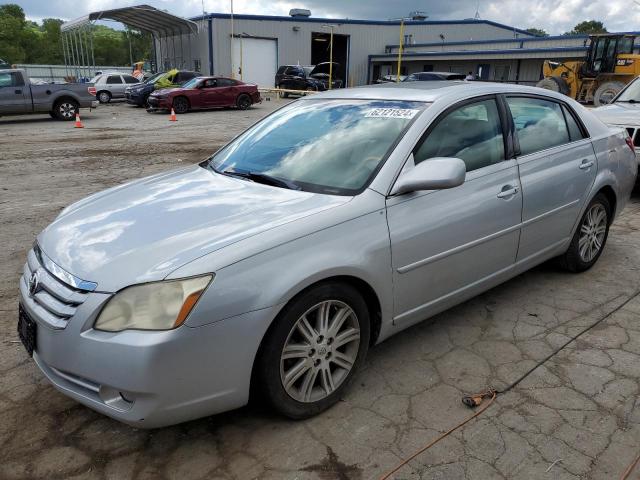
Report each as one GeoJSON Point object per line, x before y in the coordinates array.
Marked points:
{"type": "Point", "coordinates": [167, 91]}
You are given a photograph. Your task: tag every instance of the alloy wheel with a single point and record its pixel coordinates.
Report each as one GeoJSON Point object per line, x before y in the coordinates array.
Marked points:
{"type": "Point", "coordinates": [592, 232]}
{"type": "Point", "coordinates": [320, 351]}
{"type": "Point", "coordinates": [67, 110]}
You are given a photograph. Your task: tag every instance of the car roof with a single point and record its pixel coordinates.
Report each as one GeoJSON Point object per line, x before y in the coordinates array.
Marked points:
{"type": "Point", "coordinates": [430, 91]}
{"type": "Point", "coordinates": [437, 73]}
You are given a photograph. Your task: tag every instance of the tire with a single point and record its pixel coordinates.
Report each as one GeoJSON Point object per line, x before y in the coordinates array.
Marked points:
{"type": "Point", "coordinates": [243, 101]}
{"type": "Point", "coordinates": [555, 84]}
{"type": "Point", "coordinates": [605, 93]}
{"type": "Point", "coordinates": [180, 105]}
{"type": "Point", "coordinates": [283, 94]}
{"type": "Point", "coordinates": [583, 254]}
{"type": "Point", "coordinates": [66, 109]}
{"type": "Point", "coordinates": [52, 114]}
{"type": "Point", "coordinates": [316, 358]}
{"type": "Point", "coordinates": [103, 96]}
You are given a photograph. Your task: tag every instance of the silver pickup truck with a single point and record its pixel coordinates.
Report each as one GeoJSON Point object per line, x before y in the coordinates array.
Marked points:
{"type": "Point", "coordinates": [18, 96]}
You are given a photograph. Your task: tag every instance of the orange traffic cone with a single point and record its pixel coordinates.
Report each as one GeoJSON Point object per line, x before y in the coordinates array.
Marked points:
{"type": "Point", "coordinates": [78, 122]}
{"type": "Point", "coordinates": [173, 118]}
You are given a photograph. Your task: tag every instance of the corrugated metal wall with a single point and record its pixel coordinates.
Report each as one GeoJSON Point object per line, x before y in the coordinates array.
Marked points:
{"type": "Point", "coordinates": [294, 39]}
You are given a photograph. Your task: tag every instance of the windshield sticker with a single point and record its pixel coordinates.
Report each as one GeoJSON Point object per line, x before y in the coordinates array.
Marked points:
{"type": "Point", "coordinates": [403, 113]}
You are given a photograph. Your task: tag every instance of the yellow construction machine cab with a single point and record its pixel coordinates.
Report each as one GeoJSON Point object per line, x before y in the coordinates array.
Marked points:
{"type": "Point", "coordinates": [610, 63]}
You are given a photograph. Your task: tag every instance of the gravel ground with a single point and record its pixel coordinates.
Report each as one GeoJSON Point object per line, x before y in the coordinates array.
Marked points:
{"type": "Point", "coordinates": [578, 416]}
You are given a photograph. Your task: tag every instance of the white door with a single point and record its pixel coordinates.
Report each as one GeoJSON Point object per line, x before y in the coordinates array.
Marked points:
{"type": "Point", "coordinates": [255, 60]}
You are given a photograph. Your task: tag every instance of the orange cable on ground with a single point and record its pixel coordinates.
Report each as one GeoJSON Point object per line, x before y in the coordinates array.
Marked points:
{"type": "Point", "coordinates": [426, 447]}
{"type": "Point", "coordinates": [630, 468]}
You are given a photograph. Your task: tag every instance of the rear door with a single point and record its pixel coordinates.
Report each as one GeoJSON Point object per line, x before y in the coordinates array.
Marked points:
{"type": "Point", "coordinates": [15, 96]}
{"type": "Point", "coordinates": [448, 243]}
{"type": "Point", "coordinates": [557, 168]}
{"type": "Point", "coordinates": [115, 85]}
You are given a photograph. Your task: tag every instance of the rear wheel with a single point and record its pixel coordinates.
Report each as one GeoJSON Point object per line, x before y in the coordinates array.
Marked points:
{"type": "Point", "coordinates": [66, 109]}
{"type": "Point", "coordinates": [605, 93]}
{"type": "Point", "coordinates": [590, 237]}
{"type": "Point", "coordinates": [243, 101]}
{"type": "Point", "coordinates": [104, 97]}
{"type": "Point", "coordinates": [314, 349]}
{"type": "Point", "coordinates": [181, 105]}
{"type": "Point", "coordinates": [283, 94]}
{"type": "Point", "coordinates": [555, 84]}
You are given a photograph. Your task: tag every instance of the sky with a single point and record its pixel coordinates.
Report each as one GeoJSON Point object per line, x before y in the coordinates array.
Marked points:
{"type": "Point", "coordinates": [553, 16]}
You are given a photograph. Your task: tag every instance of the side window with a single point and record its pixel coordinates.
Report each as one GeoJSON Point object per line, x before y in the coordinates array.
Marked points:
{"type": "Point", "coordinates": [226, 82]}
{"type": "Point", "coordinates": [111, 79]}
{"type": "Point", "coordinates": [130, 79]}
{"type": "Point", "coordinates": [472, 132]}
{"type": "Point", "coordinates": [575, 133]}
{"type": "Point", "coordinates": [7, 80]}
{"type": "Point", "coordinates": [211, 83]}
{"type": "Point", "coordinates": [539, 123]}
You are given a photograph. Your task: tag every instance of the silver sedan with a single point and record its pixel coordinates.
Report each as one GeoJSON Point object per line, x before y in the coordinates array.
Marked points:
{"type": "Point", "coordinates": [322, 230]}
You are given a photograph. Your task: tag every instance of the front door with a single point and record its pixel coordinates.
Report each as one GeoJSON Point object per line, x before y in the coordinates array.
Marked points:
{"type": "Point", "coordinates": [557, 168]}
{"type": "Point", "coordinates": [446, 244]}
{"type": "Point", "coordinates": [14, 94]}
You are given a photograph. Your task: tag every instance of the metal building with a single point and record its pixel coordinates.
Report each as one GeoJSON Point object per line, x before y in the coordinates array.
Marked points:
{"type": "Point", "coordinates": [259, 44]}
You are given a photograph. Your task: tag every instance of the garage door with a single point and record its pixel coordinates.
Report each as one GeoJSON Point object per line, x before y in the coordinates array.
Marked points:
{"type": "Point", "coordinates": [259, 60]}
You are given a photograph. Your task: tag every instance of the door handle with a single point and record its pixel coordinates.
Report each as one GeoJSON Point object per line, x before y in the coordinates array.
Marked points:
{"type": "Point", "coordinates": [18, 91]}
{"type": "Point", "coordinates": [586, 164]}
{"type": "Point", "coordinates": [507, 191]}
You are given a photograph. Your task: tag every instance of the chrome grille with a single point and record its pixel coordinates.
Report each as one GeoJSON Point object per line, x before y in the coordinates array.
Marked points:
{"type": "Point", "coordinates": [54, 301]}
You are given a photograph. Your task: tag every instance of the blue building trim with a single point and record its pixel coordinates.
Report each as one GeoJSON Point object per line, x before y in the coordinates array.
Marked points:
{"type": "Point", "coordinates": [505, 40]}
{"type": "Point", "coordinates": [359, 22]}
{"type": "Point", "coordinates": [210, 47]}
{"type": "Point", "coordinates": [478, 52]}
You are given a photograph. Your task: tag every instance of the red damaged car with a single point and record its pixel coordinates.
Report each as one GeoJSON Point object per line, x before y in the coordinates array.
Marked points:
{"type": "Point", "coordinates": [205, 92]}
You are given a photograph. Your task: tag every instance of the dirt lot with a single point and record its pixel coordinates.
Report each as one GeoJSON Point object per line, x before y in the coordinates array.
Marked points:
{"type": "Point", "coordinates": [578, 416]}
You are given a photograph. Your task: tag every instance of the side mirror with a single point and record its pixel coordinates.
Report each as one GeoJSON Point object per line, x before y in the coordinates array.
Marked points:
{"type": "Point", "coordinates": [433, 174]}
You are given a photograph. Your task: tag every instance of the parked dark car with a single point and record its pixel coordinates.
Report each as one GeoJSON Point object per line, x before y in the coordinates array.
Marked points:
{"type": "Point", "coordinates": [138, 94]}
{"type": "Point", "coordinates": [205, 92]}
{"type": "Point", "coordinates": [427, 76]}
{"type": "Point", "coordinates": [308, 77]}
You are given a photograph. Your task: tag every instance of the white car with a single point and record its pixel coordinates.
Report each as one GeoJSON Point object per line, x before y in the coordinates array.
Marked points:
{"type": "Point", "coordinates": [624, 111]}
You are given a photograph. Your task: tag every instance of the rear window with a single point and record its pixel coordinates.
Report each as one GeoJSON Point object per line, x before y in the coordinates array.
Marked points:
{"type": "Point", "coordinates": [130, 79]}
{"type": "Point", "coordinates": [281, 70]}
{"type": "Point", "coordinates": [539, 123]}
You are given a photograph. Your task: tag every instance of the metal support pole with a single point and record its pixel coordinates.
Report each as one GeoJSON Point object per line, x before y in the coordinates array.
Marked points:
{"type": "Point", "coordinates": [93, 58]}
{"type": "Point", "coordinates": [190, 54]}
{"type": "Point", "coordinates": [331, 59]}
{"type": "Point", "coordinates": [64, 50]}
{"type": "Point", "coordinates": [182, 65]}
{"type": "Point", "coordinates": [400, 49]}
{"type": "Point", "coordinates": [241, 36]}
{"type": "Point", "coordinates": [86, 45]}
{"type": "Point", "coordinates": [233, 75]}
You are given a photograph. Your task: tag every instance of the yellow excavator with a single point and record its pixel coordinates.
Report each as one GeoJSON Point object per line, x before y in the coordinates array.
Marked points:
{"type": "Point", "coordinates": [609, 65]}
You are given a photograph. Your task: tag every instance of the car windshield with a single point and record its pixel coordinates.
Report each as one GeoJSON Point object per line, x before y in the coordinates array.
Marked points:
{"type": "Point", "coordinates": [325, 146]}
{"type": "Point", "coordinates": [153, 78]}
{"type": "Point", "coordinates": [631, 94]}
{"type": "Point", "coordinates": [191, 83]}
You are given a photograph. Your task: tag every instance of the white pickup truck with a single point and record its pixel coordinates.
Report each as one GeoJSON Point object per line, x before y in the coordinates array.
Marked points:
{"type": "Point", "coordinates": [18, 96]}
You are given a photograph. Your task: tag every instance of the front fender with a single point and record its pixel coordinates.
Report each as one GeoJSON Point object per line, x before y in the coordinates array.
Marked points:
{"type": "Point", "coordinates": [356, 248]}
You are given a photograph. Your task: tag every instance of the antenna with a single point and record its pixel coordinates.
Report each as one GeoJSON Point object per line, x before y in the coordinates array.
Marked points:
{"type": "Point", "coordinates": [477, 15]}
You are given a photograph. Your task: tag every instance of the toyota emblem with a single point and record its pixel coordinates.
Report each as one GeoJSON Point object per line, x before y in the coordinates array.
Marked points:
{"type": "Point", "coordinates": [34, 283]}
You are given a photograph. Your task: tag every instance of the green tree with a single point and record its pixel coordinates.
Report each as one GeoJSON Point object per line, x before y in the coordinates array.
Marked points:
{"type": "Point", "coordinates": [537, 31]}
{"type": "Point", "coordinates": [24, 41]}
{"type": "Point", "coordinates": [587, 27]}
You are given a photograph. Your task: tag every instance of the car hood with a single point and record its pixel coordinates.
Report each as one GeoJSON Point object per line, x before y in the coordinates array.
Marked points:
{"type": "Point", "coordinates": [166, 91]}
{"type": "Point", "coordinates": [142, 231]}
{"type": "Point", "coordinates": [619, 114]}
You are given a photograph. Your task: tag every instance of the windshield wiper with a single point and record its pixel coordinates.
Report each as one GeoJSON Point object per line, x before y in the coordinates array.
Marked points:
{"type": "Point", "coordinates": [263, 178]}
{"type": "Point", "coordinates": [631, 100]}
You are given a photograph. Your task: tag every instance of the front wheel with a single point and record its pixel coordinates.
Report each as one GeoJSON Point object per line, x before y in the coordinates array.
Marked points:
{"type": "Point", "coordinates": [590, 237]}
{"type": "Point", "coordinates": [181, 105]}
{"type": "Point", "coordinates": [314, 349]}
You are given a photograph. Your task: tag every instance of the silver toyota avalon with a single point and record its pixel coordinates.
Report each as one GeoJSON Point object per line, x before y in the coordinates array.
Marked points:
{"type": "Point", "coordinates": [322, 230]}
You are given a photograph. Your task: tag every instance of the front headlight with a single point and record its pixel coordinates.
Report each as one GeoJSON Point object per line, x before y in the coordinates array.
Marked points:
{"type": "Point", "coordinates": [152, 306]}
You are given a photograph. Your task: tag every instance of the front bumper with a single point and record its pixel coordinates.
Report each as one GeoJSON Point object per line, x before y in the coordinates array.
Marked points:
{"type": "Point", "coordinates": [134, 98]}
{"type": "Point", "coordinates": [159, 103]}
{"type": "Point", "coordinates": [147, 379]}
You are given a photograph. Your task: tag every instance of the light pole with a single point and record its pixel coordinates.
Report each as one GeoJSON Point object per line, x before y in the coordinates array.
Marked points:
{"type": "Point", "coordinates": [231, 49]}
{"type": "Point", "coordinates": [330, 27]}
{"type": "Point", "coordinates": [401, 44]}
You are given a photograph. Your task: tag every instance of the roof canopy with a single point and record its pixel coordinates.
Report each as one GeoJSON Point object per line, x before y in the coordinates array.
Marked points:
{"type": "Point", "coordinates": [142, 17]}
